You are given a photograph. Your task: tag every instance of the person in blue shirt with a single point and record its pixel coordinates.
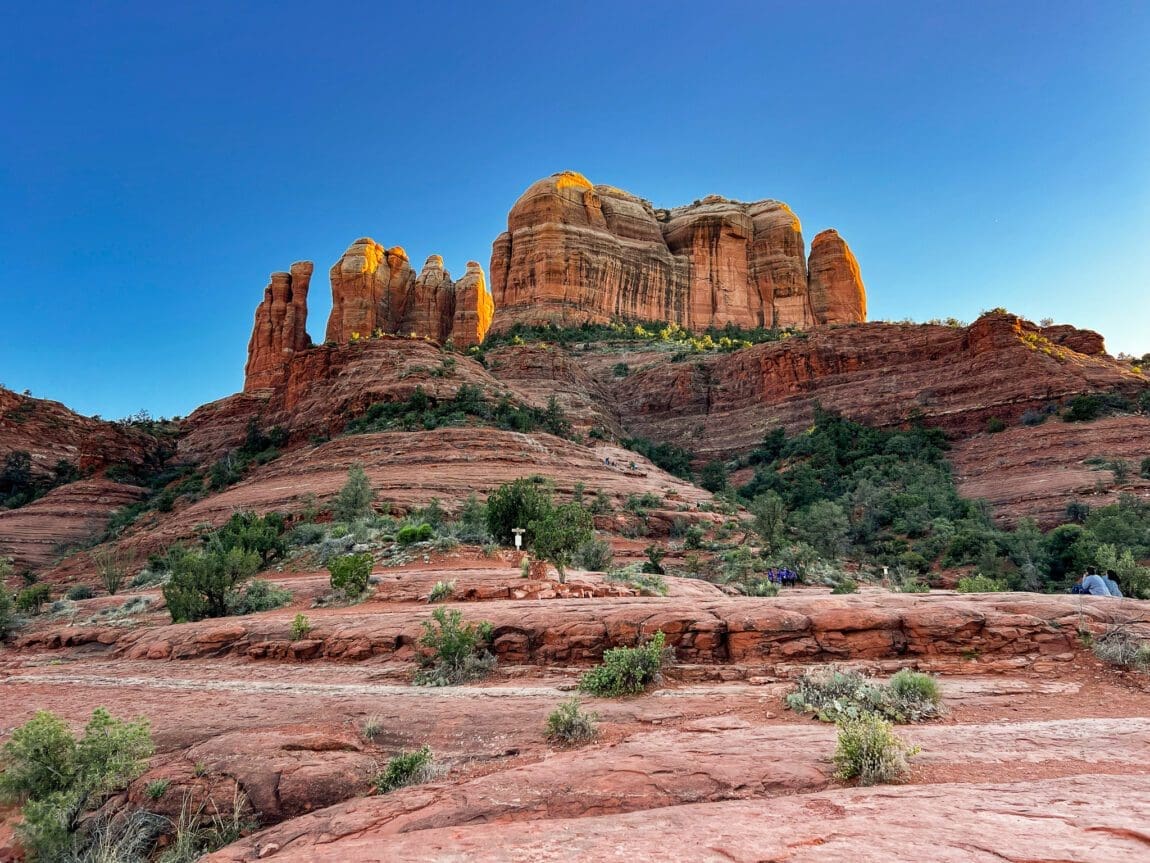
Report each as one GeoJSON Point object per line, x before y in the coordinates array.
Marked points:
{"type": "Point", "coordinates": [1111, 579]}
{"type": "Point", "coordinates": [1093, 584]}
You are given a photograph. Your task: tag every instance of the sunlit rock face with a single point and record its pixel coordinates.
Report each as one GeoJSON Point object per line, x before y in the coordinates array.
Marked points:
{"type": "Point", "coordinates": [575, 252]}
{"type": "Point", "coordinates": [836, 289]}
{"type": "Point", "coordinates": [280, 328]}
{"type": "Point", "coordinates": [375, 292]}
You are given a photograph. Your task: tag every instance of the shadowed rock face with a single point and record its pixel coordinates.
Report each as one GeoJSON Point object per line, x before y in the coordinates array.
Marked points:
{"type": "Point", "coordinates": [280, 328]}
{"type": "Point", "coordinates": [574, 252]}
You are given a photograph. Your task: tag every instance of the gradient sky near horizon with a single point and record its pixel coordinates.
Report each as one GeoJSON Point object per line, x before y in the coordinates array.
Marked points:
{"type": "Point", "coordinates": [159, 160]}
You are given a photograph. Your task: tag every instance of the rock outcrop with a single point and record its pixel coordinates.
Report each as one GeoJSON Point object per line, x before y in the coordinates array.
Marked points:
{"type": "Point", "coordinates": [374, 292]}
{"type": "Point", "coordinates": [575, 252]}
{"type": "Point", "coordinates": [280, 329]}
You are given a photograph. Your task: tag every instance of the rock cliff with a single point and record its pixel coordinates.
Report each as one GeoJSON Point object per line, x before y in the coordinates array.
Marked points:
{"type": "Point", "coordinates": [280, 329]}
{"type": "Point", "coordinates": [374, 292]}
{"type": "Point", "coordinates": [574, 251]}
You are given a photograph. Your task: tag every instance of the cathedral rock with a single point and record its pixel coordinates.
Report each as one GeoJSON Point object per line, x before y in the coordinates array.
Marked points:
{"type": "Point", "coordinates": [576, 252]}
{"type": "Point", "coordinates": [374, 292]}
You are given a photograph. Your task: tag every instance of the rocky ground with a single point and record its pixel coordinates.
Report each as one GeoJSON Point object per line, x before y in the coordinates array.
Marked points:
{"type": "Point", "coordinates": [1043, 754]}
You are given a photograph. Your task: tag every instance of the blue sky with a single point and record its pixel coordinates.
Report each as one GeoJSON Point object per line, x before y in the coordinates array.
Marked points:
{"type": "Point", "coordinates": [159, 160]}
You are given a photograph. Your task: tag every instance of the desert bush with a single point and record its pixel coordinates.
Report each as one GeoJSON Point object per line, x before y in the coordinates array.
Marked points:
{"type": "Point", "coordinates": [471, 526]}
{"type": "Point", "coordinates": [845, 584]}
{"type": "Point", "coordinates": [455, 652]}
{"type": "Point", "coordinates": [58, 779]}
{"type": "Point", "coordinates": [261, 534]}
{"type": "Point", "coordinates": [202, 582]}
{"type": "Point", "coordinates": [647, 583]}
{"type": "Point", "coordinates": [350, 574]}
{"type": "Point", "coordinates": [569, 725]}
{"type": "Point", "coordinates": [80, 591]}
{"type": "Point", "coordinates": [760, 587]}
{"type": "Point", "coordinates": [627, 670]}
{"type": "Point", "coordinates": [156, 789]}
{"type": "Point", "coordinates": [559, 533]}
{"type": "Point", "coordinates": [995, 425]}
{"type": "Point", "coordinates": [112, 565]}
{"type": "Point", "coordinates": [979, 584]}
{"type": "Point", "coordinates": [517, 504]}
{"type": "Point", "coordinates": [197, 832]}
{"type": "Point", "coordinates": [870, 751]}
{"type": "Point", "coordinates": [654, 563]}
{"type": "Point", "coordinates": [306, 534]}
{"type": "Point", "coordinates": [693, 537]}
{"type": "Point", "coordinates": [354, 499]}
{"type": "Point", "coordinates": [832, 695]}
{"type": "Point", "coordinates": [412, 533]}
{"type": "Point", "coordinates": [1033, 418]}
{"type": "Point", "coordinates": [32, 598]}
{"type": "Point", "coordinates": [595, 555]}
{"type": "Point", "coordinates": [300, 627]}
{"type": "Point", "coordinates": [441, 590]}
{"type": "Point", "coordinates": [406, 768]}
{"type": "Point", "coordinates": [7, 622]}
{"type": "Point", "coordinates": [257, 595]}
{"type": "Point", "coordinates": [620, 370]}
{"type": "Point", "coordinates": [714, 476]}
{"type": "Point", "coordinates": [1118, 646]}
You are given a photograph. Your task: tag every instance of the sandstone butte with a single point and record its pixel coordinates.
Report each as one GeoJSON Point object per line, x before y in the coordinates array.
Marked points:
{"type": "Point", "coordinates": [374, 292]}
{"type": "Point", "coordinates": [1044, 752]}
{"type": "Point", "coordinates": [576, 252]}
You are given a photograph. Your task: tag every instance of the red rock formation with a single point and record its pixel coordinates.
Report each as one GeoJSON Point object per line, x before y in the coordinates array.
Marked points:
{"type": "Point", "coordinates": [369, 291]}
{"type": "Point", "coordinates": [836, 290]}
{"type": "Point", "coordinates": [280, 328]}
{"type": "Point", "coordinates": [474, 308]}
{"type": "Point", "coordinates": [574, 252]}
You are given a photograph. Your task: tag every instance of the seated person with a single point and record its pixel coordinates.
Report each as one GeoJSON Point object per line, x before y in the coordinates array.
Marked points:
{"type": "Point", "coordinates": [1111, 579]}
{"type": "Point", "coordinates": [1093, 584]}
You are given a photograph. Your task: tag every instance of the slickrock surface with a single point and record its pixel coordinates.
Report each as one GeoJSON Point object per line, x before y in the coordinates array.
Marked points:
{"type": "Point", "coordinates": [49, 432]}
{"type": "Point", "coordinates": [37, 534]}
{"type": "Point", "coordinates": [1036, 471]}
{"type": "Point", "coordinates": [574, 252]}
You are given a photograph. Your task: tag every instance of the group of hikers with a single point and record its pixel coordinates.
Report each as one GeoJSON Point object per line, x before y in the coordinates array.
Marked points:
{"type": "Point", "coordinates": [1090, 582]}
{"type": "Point", "coordinates": [783, 577]}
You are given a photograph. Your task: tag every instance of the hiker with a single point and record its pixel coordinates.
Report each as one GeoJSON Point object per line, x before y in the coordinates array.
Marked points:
{"type": "Point", "coordinates": [1111, 579]}
{"type": "Point", "coordinates": [1092, 583]}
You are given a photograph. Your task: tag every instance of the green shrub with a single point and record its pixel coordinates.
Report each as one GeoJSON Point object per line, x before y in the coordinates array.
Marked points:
{"type": "Point", "coordinates": [406, 768]}
{"type": "Point", "coordinates": [156, 789]}
{"type": "Point", "coordinates": [595, 555]}
{"type": "Point", "coordinates": [1144, 469]}
{"type": "Point", "coordinates": [675, 460]}
{"type": "Point", "coordinates": [568, 725]}
{"type": "Point", "coordinates": [412, 533]}
{"type": "Point", "coordinates": [80, 591]}
{"type": "Point", "coordinates": [832, 695]}
{"type": "Point", "coordinates": [58, 778]}
{"type": "Point", "coordinates": [31, 599]}
{"type": "Point", "coordinates": [626, 670]}
{"type": "Point", "coordinates": [517, 504]}
{"type": "Point", "coordinates": [441, 591]}
{"type": "Point", "coordinates": [6, 621]}
{"type": "Point", "coordinates": [350, 574]}
{"type": "Point", "coordinates": [693, 538]}
{"type": "Point", "coordinates": [654, 564]}
{"type": "Point", "coordinates": [471, 526]}
{"type": "Point", "coordinates": [869, 750]}
{"type": "Point", "coordinates": [202, 582]}
{"type": "Point", "coordinates": [647, 583]}
{"type": "Point", "coordinates": [714, 477]}
{"type": "Point", "coordinates": [354, 499]}
{"type": "Point", "coordinates": [306, 534]}
{"type": "Point", "coordinates": [300, 627]}
{"type": "Point", "coordinates": [761, 587]}
{"type": "Point", "coordinates": [995, 425]}
{"type": "Point", "coordinates": [455, 652]}
{"type": "Point", "coordinates": [846, 584]}
{"type": "Point", "coordinates": [112, 565]}
{"type": "Point", "coordinates": [559, 532]}
{"type": "Point", "coordinates": [620, 370]}
{"type": "Point", "coordinates": [980, 584]}
{"type": "Point", "coordinates": [247, 531]}
{"type": "Point", "coordinates": [257, 595]}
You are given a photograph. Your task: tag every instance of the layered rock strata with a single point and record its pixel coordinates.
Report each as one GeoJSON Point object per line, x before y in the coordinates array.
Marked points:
{"type": "Point", "coordinates": [374, 292]}
{"type": "Point", "coordinates": [280, 328]}
{"type": "Point", "coordinates": [574, 252]}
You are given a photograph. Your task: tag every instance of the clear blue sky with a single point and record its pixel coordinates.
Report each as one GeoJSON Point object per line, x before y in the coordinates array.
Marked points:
{"type": "Point", "coordinates": [159, 160]}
